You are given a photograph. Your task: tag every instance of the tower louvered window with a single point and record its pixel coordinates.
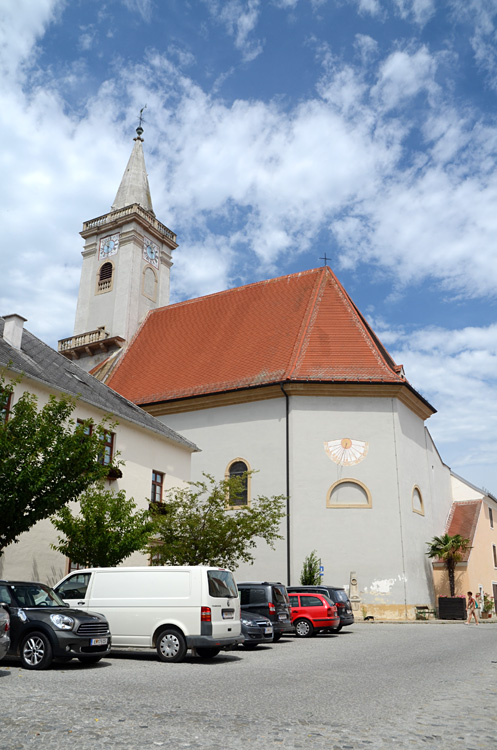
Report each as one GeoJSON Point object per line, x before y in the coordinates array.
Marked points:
{"type": "Point", "coordinates": [105, 277]}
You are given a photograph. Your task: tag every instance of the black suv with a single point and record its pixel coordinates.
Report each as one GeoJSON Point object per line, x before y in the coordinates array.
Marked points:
{"type": "Point", "coordinates": [337, 596]}
{"type": "Point", "coordinates": [43, 627]}
{"type": "Point", "coordinates": [269, 599]}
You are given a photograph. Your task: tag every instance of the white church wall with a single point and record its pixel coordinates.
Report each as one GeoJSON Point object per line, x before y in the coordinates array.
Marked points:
{"type": "Point", "coordinates": [361, 539]}
{"type": "Point", "coordinates": [384, 544]}
{"type": "Point", "coordinates": [424, 500]}
{"type": "Point", "coordinates": [255, 432]}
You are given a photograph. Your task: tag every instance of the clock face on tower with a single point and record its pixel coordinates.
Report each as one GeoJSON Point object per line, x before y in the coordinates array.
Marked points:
{"type": "Point", "coordinates": [151, 252]}
{"type": "Point", "coordinates": [108, 246]}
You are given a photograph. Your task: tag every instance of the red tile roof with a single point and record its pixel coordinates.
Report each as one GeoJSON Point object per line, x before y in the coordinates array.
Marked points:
{"type": "Point", "coordinates": [302, 327]}
{"type": "Point", "coordinates": [463, 519]}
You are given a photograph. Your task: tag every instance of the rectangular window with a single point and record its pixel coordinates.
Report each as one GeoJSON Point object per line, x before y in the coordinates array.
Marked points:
{"type": "Point", "coordinates": [494, 548]}
{"type": "Point", "coordinates": [157, 486]}
{"type": "Point", "coordinates": [5, 399]}
{"type": "Point", "coordinates": [88, 427]}
{"type": "Point", "coordinates": [107, 452]}
{"type": "Point", "coordinates": [491, 517]}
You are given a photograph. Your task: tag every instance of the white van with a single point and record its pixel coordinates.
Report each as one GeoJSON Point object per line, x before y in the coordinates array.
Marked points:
{"type": "Point", "coordinates": [170, 608]}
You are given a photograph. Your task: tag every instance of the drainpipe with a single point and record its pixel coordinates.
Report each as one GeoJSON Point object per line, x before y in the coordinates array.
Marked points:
{"type": "Point", "coordinates": [287, 462]}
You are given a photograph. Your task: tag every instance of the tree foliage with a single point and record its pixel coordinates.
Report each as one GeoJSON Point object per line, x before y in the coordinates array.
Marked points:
{"type": "Point", "coordinates": [451, 550]}
{"type": "Point", "coordinates": [196, 527]}
{"type": "Point", "coordinates": [105, 532]}
{"type": "Point", "coordinates": [310, 575]}
{"type": "Point", "coordinates": [46, 460]}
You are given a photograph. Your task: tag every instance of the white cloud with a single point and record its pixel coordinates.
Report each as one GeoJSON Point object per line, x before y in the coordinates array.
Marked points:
{"type": "Point", "coordinates": [480, 16]}
{"type": "Point", "coordinates": [420, 11]}
{"type": "Point", "coordinates": [456, 371]}
{"type": "Point", "coordinates": [143, 7]}
{"type": "Point", "coordinates": [404, 75]}
{"type": "Point", "coordinates": [240, 18]}
{"type": "Point", "coordinates": [22, 23]}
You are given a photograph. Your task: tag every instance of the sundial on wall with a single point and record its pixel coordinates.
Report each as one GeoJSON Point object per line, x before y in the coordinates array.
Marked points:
{"type": "Point", "coordinates": [346, 451]}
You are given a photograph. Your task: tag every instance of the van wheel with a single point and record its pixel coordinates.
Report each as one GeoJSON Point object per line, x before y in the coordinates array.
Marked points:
{"type": "Point", "coordinates": [277, 636]}
{"type": "Point", "coordinates": [303, 629]}
{"type": "Point", "coordinates": [207, 652]}
{"type": "Point", "coordinates": [36, 651]}
{"type": "Point", "coordinates": [171, 645]}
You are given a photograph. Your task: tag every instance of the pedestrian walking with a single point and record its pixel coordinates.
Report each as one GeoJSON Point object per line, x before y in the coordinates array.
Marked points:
{"type": "Point", "coordinates": [472, 608]}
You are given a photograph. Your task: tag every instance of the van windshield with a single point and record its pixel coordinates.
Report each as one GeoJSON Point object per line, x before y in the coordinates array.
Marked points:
{"type": "Point", "coordinates": [222, 584]}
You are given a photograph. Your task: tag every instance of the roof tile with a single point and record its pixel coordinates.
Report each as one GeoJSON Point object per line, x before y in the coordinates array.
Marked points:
{"type": "Point", "coordinates": [301, 327]}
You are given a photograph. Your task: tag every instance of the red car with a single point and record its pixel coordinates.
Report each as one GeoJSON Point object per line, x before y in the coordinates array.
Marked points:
{"type": "Point", "coordinates": [311, 613]}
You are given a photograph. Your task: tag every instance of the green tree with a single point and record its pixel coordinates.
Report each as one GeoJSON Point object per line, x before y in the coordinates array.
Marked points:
{"type": "Point", "coordinates": [46, 460]}
{"type": "Point", "coordinates": [449, 549]}
{"type": "Point", "coordinates": [195, 526]}
{"type": "Point", "coordinates": [310, 575]}
{"type": "Point", "coordinates": [105, 532]}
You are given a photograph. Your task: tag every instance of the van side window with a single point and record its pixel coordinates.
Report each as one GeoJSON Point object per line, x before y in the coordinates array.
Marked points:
{"type": "Point", "coordinates": [74, 587]}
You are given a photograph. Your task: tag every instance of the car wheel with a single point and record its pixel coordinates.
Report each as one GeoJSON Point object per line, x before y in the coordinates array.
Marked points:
{"type": "Point", "coordinates": [90, 659]}
{"type": "Point", "coordinates": [335, 630]}
{"type": "Point", "coordinates": [207, 652]}
{"type": "Point", "coordinates": [250, 645]}
{"type": "Point", "coordinates": [36, 651]}
{"type": "Point", "coordinates": [303, 629]}
{"type": "Point", "coordinates": [171, 645]}
{"type": "Point", "coordinates": [277, 636]}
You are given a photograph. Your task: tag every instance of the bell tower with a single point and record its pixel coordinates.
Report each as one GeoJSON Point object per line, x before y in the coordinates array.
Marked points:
{"type": "Point", "coordinates": [126, 269]}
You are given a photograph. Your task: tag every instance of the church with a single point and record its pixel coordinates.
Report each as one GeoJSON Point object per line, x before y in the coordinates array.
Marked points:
{"type": "Point", "coordinates": [284, 378]}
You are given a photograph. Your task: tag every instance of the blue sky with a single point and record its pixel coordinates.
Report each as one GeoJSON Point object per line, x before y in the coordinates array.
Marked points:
{"type": "Point", "coordinates": [275, 131]}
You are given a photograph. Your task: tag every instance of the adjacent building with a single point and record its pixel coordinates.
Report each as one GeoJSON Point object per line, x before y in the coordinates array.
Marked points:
{"type": "Point", "coordinates": [155, 457]}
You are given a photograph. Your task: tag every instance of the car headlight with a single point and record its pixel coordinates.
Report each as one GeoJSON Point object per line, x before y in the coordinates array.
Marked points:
{"type": "Point", "coordinates": [63, 622]}
{"type": "Point", "coordinates": [245, 622]}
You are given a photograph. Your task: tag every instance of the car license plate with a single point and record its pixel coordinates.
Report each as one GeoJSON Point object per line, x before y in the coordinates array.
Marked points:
{"type": "Point", "coordinates": [228, 614]}
{"type": "Point", "coordinates": [282, 616]}
{"type": "Point", "coordinates": [99, 641]}
{"type": "Point", "coordinates": [268, 631]}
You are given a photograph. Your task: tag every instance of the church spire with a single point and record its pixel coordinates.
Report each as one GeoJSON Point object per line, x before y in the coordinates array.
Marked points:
{"type": "Point", "coordinates": [134, 186]}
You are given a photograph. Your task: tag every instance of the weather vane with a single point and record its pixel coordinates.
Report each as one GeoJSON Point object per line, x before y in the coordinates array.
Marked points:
{"type": "Point", "coordinates": [141, 119]}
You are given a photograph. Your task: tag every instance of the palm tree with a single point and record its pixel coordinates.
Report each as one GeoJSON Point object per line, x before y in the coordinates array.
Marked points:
{"type": "Point", "coordinates": [449, 549]}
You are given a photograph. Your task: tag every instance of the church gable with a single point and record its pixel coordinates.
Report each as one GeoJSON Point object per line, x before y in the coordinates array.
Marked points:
{"type": "Point", "coordinates": [297, 328]}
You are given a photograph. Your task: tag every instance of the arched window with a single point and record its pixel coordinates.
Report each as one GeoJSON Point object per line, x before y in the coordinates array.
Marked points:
{"type": "Point", "coordinates": [105, 278]}
{"type": "Point", "coordinates": [239, 468]}
{"type": "Point", "coordinates": [349, 493]}
{"type": "Point", "coordinates": [149, 288]}
{"type": "Point", "coordinates": [417, 502]}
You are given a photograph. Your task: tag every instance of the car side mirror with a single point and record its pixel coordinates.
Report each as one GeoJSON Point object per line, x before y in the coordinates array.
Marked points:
{"type": "Point", "coordinates": [6, 605]}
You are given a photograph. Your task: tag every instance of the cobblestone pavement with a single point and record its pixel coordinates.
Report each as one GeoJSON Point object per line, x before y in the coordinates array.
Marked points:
{"type": "Point", "coordinates": [373, 686]}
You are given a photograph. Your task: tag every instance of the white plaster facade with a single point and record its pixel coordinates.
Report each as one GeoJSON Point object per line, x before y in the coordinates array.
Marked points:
{"type": "Point", "coordinates": [384, 544]}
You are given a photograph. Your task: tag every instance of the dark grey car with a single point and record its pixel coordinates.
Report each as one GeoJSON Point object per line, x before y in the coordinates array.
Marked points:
{"type": "Point", "coordinates": [268, 598]}
{"type": "Point", "coordinates": [338, 596]}
{"type": "Point", "coordinates": [44, 628]}
{"type": "Point", "coordinates": [255, 629]}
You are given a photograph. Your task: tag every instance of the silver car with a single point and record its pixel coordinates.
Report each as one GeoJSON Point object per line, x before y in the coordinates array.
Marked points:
{"type": "Point", "coordinates": [4, 631]}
